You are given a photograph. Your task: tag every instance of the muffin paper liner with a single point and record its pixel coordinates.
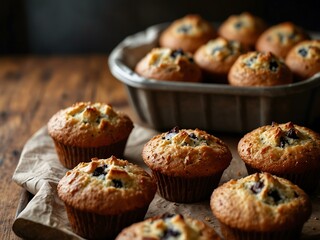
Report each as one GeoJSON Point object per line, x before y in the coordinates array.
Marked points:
{"type": "Point", "coordinates": [186, 190]}
{"type": "Point", "coordinates": [71, 156]}
{"type": "Point", "coordinates": [237, 234]}
{"type": "Point", "coordinates": [96, 226]}
{"type": "Point", "coordinates": [308, 180]}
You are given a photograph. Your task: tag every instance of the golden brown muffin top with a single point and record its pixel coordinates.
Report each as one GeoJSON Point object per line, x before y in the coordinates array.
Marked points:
{"type": "Point", "coordinates": [259, 69]}
{"type": "Point", "coordinates": [187, 33]}
{"type": "Point", "coordinates": [304, 59]}
{"type": "Point", "coordinates": [244, 27]}
{"type": "Point", "coordinates": [170, 65]}
{"type": "Point", "coordinates": [308, 49]}
{"type": "Point", "coordinates": [220, 49]}
{"type": "Point", "coordinates": [216, 57]}
{"type": "Point", "coordinates": [168, 58]}
{"type": "Point", "coordinates": [187, 153]}
{"type": "Point", "coordinates": [169, 226]}
{"type": "Point", "coordinates": [261, 202]}
{"type": "Point", "coordinates": [280, 38]}
{"type": "Point", "coordinates": [191, 25]}
{"type": "Point", "coordinates": [261, 61]}
{"type": "Point", "coordinates": [281, 148]}
{"type": "Point", "coordinates": [87, 124]}
{"type": "Point", "coordinates": [107, 186]}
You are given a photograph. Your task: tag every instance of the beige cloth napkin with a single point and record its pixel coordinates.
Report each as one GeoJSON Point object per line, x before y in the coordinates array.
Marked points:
{"type": "Point", "coordinates": [39, 171]}
{"type": "Point", "coordinates": [44, 217]}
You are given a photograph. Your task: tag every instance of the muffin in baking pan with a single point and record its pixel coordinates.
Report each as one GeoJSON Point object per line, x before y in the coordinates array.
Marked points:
{"type": "Point", "coordinates": [259, 69]}
{"type": "Point", "coordinates": [169, 65]}
{"type": "Point", "coordinates": [216, 57]}
{"type": "Point", "coordinates": [280, 38]}
{"type": "Point", "coordinates": [245, 28]}
{"type": "Point", "coordinates": [187, 33]}
{"type": "Point", "coordinates": [304, 59]}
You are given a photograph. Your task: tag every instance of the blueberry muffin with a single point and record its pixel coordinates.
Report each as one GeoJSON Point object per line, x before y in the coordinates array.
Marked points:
{"type": "Point", "coordinates": [280, 38]}
{"type": "Point", "coordinates": [105, 195]}
{"type": "Point", "coordinates": [286, 150]}
{"type": "Point", "coordinates": [187, 164]}
{"type": "Point", "coordinates": [259, 69]}
{"type": "Point", "coordinates": [304, 59]}
{"type": "Point", "coordinates": [187, 33]}
{"type": "Point", "coordinates": [169, 226]}
{"type": "Point", "coordinates": [244, 28]}
{"type": "Point", "coordinates": [216, 58]}
{"type": "Point", "coordinates": [260, 207]}
{"type": "Point", "coordinates": [169, 65]}
{"type": "Point", "coordinates": [86, 130]}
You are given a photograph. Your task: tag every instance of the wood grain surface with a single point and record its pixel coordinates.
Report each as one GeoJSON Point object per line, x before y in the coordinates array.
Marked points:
{"type": "Point", "coordinates": [32, 89]}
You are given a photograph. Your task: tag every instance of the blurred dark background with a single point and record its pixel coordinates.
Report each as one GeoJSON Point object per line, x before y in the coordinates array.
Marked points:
{"type": "Point", "coordinates": [97, 26]}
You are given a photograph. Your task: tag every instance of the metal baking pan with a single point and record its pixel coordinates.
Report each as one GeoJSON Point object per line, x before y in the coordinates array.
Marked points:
{"type": "Point", "coordinates": [208, 106]}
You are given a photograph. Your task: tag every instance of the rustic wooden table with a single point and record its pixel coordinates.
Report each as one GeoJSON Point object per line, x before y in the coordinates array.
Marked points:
{"type": "Point", "coordinates": [32, 89]}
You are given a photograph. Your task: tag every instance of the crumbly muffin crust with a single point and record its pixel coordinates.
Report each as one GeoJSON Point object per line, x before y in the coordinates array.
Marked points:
{"type": "Point", "coordinates": [261, 203]}
{"type": "Point", "coordinates": [281, 148]}
{"type": "Point", "coordinates": [169, 65]}
{"type": "Point", "coordinates": [304, 59]}
{"type": "Point", "coordinates": [107, 186]}
{"type": "Point", "coordinates": [169, 226]}
{"type": "Point", "coordinates": [87, 124]}
{"type": "Point", "coordinates": [280, 38]}
{"type": "Point", "coordinates": [259, 69]}
{"type": "Point", "coordinates": [218, 55]}
{"type": "Point", "coordinates": [245, 28]}
{"type": "Point", "coordinates": [187, 33]}
{"type": "Point", "coordinates": [186, 153]}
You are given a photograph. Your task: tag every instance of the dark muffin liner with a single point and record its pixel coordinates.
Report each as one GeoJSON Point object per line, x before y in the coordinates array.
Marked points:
{"type": "Point", "coordinates": [237, 234]}
{"type": "Point", "coordinates": [308, 180]}
{"type": "Point", "coordinates": [94, 226]}
{"type": "Point", "coordinates": [186, 190]}
{"type": "Point", "coordinates": [71, 156]}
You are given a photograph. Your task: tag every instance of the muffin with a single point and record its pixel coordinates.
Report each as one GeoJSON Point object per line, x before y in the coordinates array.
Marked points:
{"type": "Point", "coordinates": [260, 207]}
{"type": "Point", "coordinates": [103, 196]}
{"type": "Point", "coordinates": [216, 57]}
{"type": "Point", "coordinates": [286, 150]}
{"type": "Point", "coordinates": [187, 33]}
{"type": "Point", "coordinates": [86, 130]}
{"type": "Point", "coordinates": [304, 59]}
{"type": "Point", "coordinates": [259, 69]}
{"type": "Point", "coordinates": [187, 164]}
{"type": "Point", "coordinates": [280, 38]}
{"type": "Point", "coordinates": [169, 65]}
{"type": "Point", "coordinates": [169, 226]}
{"type": "Point", "coordinates": [245, 28]}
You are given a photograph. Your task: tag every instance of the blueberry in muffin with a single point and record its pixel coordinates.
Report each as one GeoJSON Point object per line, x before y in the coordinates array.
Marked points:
{"type": "Point", "coordinates": [286, 150]}
{"type": "Point", "coordinates": [169, 65]}
{"type": "Point", "coordinates": [169, 226]}
{"type": "Point", "coordinates": [216, 57]}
